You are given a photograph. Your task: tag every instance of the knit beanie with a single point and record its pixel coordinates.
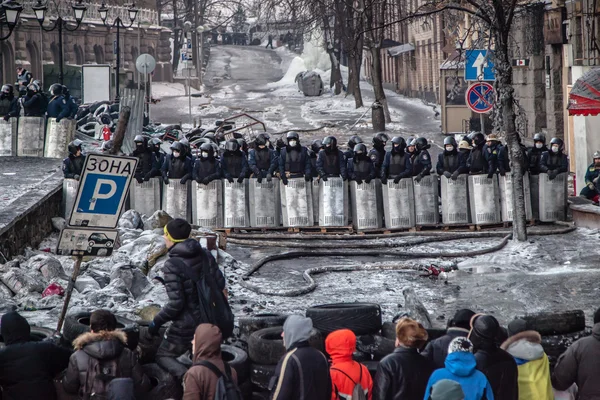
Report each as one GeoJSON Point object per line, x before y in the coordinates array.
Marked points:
{"type": "Point", "coordinates": [178, 230]}
{"type": "Point", "coordinates": [460, 344]}
{"type": "Point", "coordinates": [447, 389]}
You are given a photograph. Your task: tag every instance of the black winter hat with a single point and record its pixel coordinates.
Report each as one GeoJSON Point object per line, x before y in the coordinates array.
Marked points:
{"type": "Point", "coordinates": [178, 230]}
{"type": "Point", "coordinates": [14, 328]}
{"type": "Point", "coordinates": [103, 320]}
{"type": "Point", "coordinates": [462, 319]}
{"type": "Point", "coordinates": [486, 327]}
{"type": "Point", "coordinates": [516, 326]}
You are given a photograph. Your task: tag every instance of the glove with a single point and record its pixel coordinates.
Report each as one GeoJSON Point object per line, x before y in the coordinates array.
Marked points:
{"type": "Point", "coordinates": [490, 175]}
{"type": "Point", "coordinates": [230, 179]}
{"type": "Point", "coordinates": [454, 176]}
{"type": "Point", "coordinates": [344, 178]}
{"type": "Point", "coordinates": [368, 180]}
{"type": "Point", "coordinates": [183, 180]}
{"type": "Point", "coordinates": [58, 120]}
{"type": "Point", "coordinates": [205, 181]}
{"type": "Point", "coordinates": [76, 177]}
{"type": "Point", "coordinates": [166, 180]}
{"type": "Point", "coordinates": [240, 179]}
{"type": "Point", "coordinates": [552, 175]}
{"type": "Point", "coordinates": [269, 178]}
{"type": "Point", "coordinates": [259, 178]}
{"type": "Point", "coordinates": [397, 180]}
{"type": "Point", "coordinates": [324, 178]}
{"type": "Point", "coordinates": [383, 181]}
{"type": "Point", "coordinates": [447, 174]}
{"type": "Point", "coordinates": [502, 173]}
{"type": "Point", "coordinates": [591, 186]}
{"type": "Point", "coordinates": [139, 179]}
{"type": "Point", "coordinates": [307, 178]}
{"type": "Point", "coordinates": [358, 181]}
{"type": "Point", "coordinates": [418, 178]}
{"type": "Point", "coordinates": [147, 176]}
{"type": "Point", "coordinates": [6, 117]}
{"type": "Point", "coordinates": [284, 180]}
{"type": "Point", "coordinates": [153, 329]}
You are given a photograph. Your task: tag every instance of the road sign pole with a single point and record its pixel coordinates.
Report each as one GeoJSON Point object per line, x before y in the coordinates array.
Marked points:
{"type": "Point", "coordinates": [482, 116]}
{"type": "Point", "coordinates": [63, 313]}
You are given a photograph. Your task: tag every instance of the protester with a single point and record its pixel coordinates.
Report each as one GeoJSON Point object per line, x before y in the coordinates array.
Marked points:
{"type": "Point", "coordinates": [345, 372]}
{"type": "Point", "coordinates": [498, 366]}
{"type": "Point", "coordinates": [533, 365]}
{"type": "Point", "coordinates": [459, 326]}
{"type": "Point", "coordinates": [101, 355]}
{"type": "Point", "coordinates": [446, 389]}
{"type": "Point", "coordinates": [579, 365]}
{"type": "Point", "coordinates": [403, 374]}
{"type": "Point", "coordinates": [303, 372]}
{"type": "Point", "coordinates": [187, 264]}
{"type": "Point", "coordinates": [200, 382]}
{"type": "Point", "coordinates": [27, 368]}
{"type": "Point", "coordinates": [460, 367]}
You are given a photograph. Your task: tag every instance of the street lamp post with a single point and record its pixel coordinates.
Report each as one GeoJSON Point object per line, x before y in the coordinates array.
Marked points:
{"type": "Point", "coordinates": [11, 11]}
{"type": "Point", "coordinates": [60, 24]}
{"type": "Point", "coordinates": [132, 11]}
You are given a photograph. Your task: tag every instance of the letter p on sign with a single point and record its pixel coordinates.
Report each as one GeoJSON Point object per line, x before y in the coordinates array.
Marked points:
{"type": "Point", "coordinates": [98, 191]}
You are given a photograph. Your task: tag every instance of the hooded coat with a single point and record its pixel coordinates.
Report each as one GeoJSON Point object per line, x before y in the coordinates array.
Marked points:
{"type": "Point", "coordinates": [200, 382]}
{"type": "Point", "coordinates": [460, 367]}
{"type": "Point", "coordinates": [345, 372]}
{"type": "Point", "coordinates": [402, 375]}
{"type": "Point", "coordinates": [103, 346]}
{"type": "Point", "coordinates": [437, 349]}
{"type": "Point", "coordinates": [534, 368]}
{"type": "Point", "coordinates": [303, 372]}
{"type": "Point", "coordinates": [28, 368]}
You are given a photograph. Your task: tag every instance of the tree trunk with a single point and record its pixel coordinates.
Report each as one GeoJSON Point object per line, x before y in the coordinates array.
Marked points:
{"type": "Point", "coordinates": [120, 131]}
{"type": "Point", "coordinates": [354, 64]}
{"type": "Point", "coordinates": [376, 76]}
{"type": "Point", "coordinates": [336, 73]}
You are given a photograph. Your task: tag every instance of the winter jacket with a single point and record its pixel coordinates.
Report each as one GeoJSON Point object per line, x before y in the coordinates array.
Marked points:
{"type": "Point", "coordinates": [234, 165]}
{"type": "Point", "coordinates": [554, 162]}
{"type": "Point", "coordinates": [262, 162]}
{"type": "Point", "coordinates": [437, 349]}
{"type": "Point", "coordinates": [490, 155]}
{"type": "Point", "coordinates": [33, 106]}
{"type": "Point", "coordinates": [396, 164]}
{"type": "Point", "coordinates": [345, 372]}
{"type": "Point", "coordinates": [187, 262]}
{"type": "Point", "coordinates": [534, 155]}
{"type": "Point", "coordinates": [331, 164]}
{"type": "Point", "coordinates": [58, 108]}
{"type": "Point", "coordinates": [8, 106]}
{"type": "Point", "coordinates": [144, 165]}
{"type": "Point", "coordinates": [579, 364]}
{"type": "Point", "coordinates": [296, 161]}
{"type": "Point", "coordinates": [361, 169]}
{"type": "Point", "coordinates": [73, 166]}
{"type": "Point", "coordinates": [503, 161]}
{"type": "Point", "coordinates": [102, 347]}
{"type": "Point", "coordinates": [421, 163]}
{"type": "Point", "coordinates": [460, 367]}
{"type": "Point", "coordinates": [451, 162]}
{"type": "Point", "coordinates": [28, 368]}
{"type": "Point", "coordinates": [501, 371]}
{"type": "Point", "coordinates": [206, 169]}
{"type": "Point", "coordinates": [402, 375]}
{"type": "Point", "coordinates": [534, 368]}
{"type": "Point", "coordinates": [377, 155]}
{"type": "Point", "coordinates": [476, 163]}
{"type": "Point", "coordinates": [200, 382]}
{"type": "Point", "coordinates": [177, 168]}
{"type": "Point", "coordinates": [121, 389]}
{"type": "Point", "coordinates": [591, 174]}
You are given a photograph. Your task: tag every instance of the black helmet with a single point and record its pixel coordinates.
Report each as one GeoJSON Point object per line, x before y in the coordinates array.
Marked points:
{"type": "Point", "coordinates": [210, 136]}
{"type": "Point", "coordinates": [154, 144]}
{"type": "Point", "coordinates": [449, 140]}
{"type": "Point", "coordinates": [292, 135]}
{"type": "Point", "coordinates": [261, 139]}
{"type": "Point", "coordinates": [354, 140]}
{"type": "Point", "coordinates": [56, 89]}
{"type": "Point", "coordinates": [208, 148]}
{"type": "Point", "coordinates": [178, 146]}
{"type": "Point", "coordinates": [65, 90]}
{"type": "Point", "coordinates": [316, 145]}
{"type": "Point", "coordinates": [557, 141]}
{"type": "Point", "coordinates": [139, 139]}
{"type": "Point", "coordinates": [478, 139]}
{"type": "Point", "coordinates": [243, 144]}
{"type": "Point", "coordinates": [34, 87]}
{"type": "Point", "coordinates": [421, 143]}
{"type": "Point", "coordinates": [398, 140]}
{"type": "Point", "coordinates": [184, 141]}
{"type": "Point", "coordinates": [7, 89]}
{"type": "Point", "coordinates": [360, 149]}
{"type": "Point", "coordinates": [232, 145]}
{"type": "Point", "coordinates": [485, 327]}
{"type": "Point", "coordinates": [380, 139]}
{"type": "Point", "coordinates": [330, 142]}
{"type": "Point", "coordinates": [539, 137]}
{"type": "Point", "coordinates": [74, 146]}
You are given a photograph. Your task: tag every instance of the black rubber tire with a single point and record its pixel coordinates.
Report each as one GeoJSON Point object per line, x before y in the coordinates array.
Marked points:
{"type": "Point", "coordinates": [78, 323]}
{"type": "Point", "coordinates": [265, 346]}
{"type": "Point", "coordinates": [238, 360]}
{"type": "Point", "coordinates": [245, 389]}
{"type": "Point", "coordinates": [94, 106]}
{"type": "Point", "coordinates": [372, 367]}
{"type": "Point", "coordinates": [82, 111]}
{"type": "Point", "coordinates": [556, 323]}
{"type": "Point", "coordinates": [360, 356]}
{"type": "Point", "coordinates": [252, 323]}
{"type": "Point", "coordinates": [260, 375]}
{"type": "Point", "coordinates": [388, 330]}
{"type": "Point", "coordinates": [360, 318]}
{"type": "Point", "coordinates": [375, 345]}
{"type": "Point", "coordinates": [164, 385]}
{"type": "Point", "coordinates": [114, 108]}
{"type": "Point", "coordinates": [148, 345]}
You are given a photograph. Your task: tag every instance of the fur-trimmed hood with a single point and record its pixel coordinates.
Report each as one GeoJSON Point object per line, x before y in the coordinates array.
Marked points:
{"type": "Point", "coordinates": [103, 345]}
{"type": "Point", "coordinates": [525, 345]}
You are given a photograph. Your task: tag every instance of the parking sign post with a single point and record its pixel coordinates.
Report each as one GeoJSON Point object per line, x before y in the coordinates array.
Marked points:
{"type": "Point", "coordinates": [74, 276]}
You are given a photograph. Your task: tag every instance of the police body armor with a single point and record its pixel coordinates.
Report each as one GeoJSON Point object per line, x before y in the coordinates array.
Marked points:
{"type": "Point", "coordinates": [397, 163]}
{"type": "Point", "coordinates": [535, 157]}
{"type": "Point", "coordinates": [5, 106]}
{"type": "Point", "coordinates": [177, 168]}
{"type": "Point", "coordinates": [233, 163]}
{"type": "Point", "coordinates": [263, 159]}
{"type": "Point", "coordinates": [206, 167]}
{"type": "Point", "coordinates": [332, 163]}
{"type": "Point", "coordinates": [478, 163]}
{"type": "Point", "coordinates": [293, 162]}
{"type": "Point", "coordinates": [451, 162]}
{"type": "Point", "coordinates": [362, 168]}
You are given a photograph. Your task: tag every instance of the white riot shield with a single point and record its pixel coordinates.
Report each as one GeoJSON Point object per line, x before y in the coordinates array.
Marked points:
{"type": "Point", "coordinates": [70, 187]}
{"type": "Point", "coordinates": [8, 137]}
{"type": "Point", "coordinates": [58, 137]}
{"type": "Point", "coordinates": [235, 212]}
{"type": "Point", "coordinates": [296, 203]}
{"type": "Point", "coordinates": [263, 201]}
{"type": "Point", "coordinates": [333, 202]}
{"type": "Point", "coordinates": [365, 202]}
{"type": "Point", "coordinates": [506, 197]}
{"type": "Point", "coordinates": [175, 199]}
{"type": "Point", "coordinates": [455, 200]}
{"type": "Point", "coordinates": [207, 204]}
{"type": "Point", "coordinates": [399, 204]}
{"type": "Point", "coordinates": [426, 201]}
{"type": "Point", "coordinates": [484, 199]}
{"type": "Point", "coordinates": [553, 197]}
{"type": "Point", "coordinates": [145, 197]}
{"type": "Point", "coordinates": [534, 190]}
{"type": "Point", "coordinates": [30, 137]}
{"type": "Point", "coordinates": [316, 184]}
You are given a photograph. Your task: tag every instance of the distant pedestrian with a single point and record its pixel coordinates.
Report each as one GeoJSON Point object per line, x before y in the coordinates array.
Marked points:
{"type": "Point", "coordinates": [460, 367]}
{"type": "Point", "coordinates": [403, 374]}
{"type": "Point", "coordinates": [303, 372]}
{"type": "Point", "coordinates": [447, 390]}
{"type": "Point", "coordinates": [458, 326]}
{"type": "Point", "coordinates": [345, 372]}
{"type": "Point", "coordinates": [73, 165]}
{"type": "Point", "coordinates": [24, 79]}
{"type": "Point", "coordinates": [270, 42]}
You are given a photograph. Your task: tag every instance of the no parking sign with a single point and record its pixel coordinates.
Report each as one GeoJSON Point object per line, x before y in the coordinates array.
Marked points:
{"type": "Point", "coordinates": [480, 97]}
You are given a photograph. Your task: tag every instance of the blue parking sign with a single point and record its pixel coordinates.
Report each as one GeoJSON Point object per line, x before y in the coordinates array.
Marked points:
{"type": "Point", "coordinates": [101, 194]}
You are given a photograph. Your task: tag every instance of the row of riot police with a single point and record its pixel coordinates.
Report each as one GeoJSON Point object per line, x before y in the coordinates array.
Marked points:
{"type": "Point", "coordinates": [35, 103]}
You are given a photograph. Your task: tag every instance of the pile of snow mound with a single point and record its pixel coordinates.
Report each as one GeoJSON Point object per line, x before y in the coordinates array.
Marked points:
{"type": "Point", "coordinates": [310, 83]}
{"type": "Point", "coordinates": [297, 66]}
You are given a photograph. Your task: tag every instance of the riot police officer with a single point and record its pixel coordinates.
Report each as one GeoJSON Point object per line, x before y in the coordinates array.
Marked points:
{"type": "Point", "coordinates": [534, 154]}
{"type": "Point", "coordinates": [188, 148]}
{"type": "Point", "coordinates": [206, 167]}
{"type": "Point", "coordinates": [8, 103]}
{"type": "Point", "coordinates": [73, 107]}
{"type": "Point", "coordinates": [33, 103]}
{"type": "Point", "coordinates": [57, 107]}
{"type": "Point", "coordinates": [361, 168]}
{"type": "Point", "coordinates": [24, 79]}
{"type": "Point", "coordinates": [243, 145]}
{"type": "Point", "coordinates": [421, 160]}
{"type": "Point", "coordinates": [294, 161]}
{"type": "Point", "coordinates": [554, 162]}
{"type": "Point", "coordinates": [144, 156]}
{"type": "Point", "coordinates": [315, 147]}
{"type": "Point", "coordinates": [73, 164]}
{"type": "Point", "coordinates": [157, 157]}
{"type": "Point", "coordinates": [261, 159]}
{"type": "Point", "coordinates": [177, 165]}
{"type": "Point", "coordinates": [233, 162]}
{"type": "Point", "coordinates": [396, 164]}
{"type": "Point", "coordinates": [451, 162]}
{"type": "Point", "coordinates": [354, 140]}
{"type": "Point", "coordinates": [331, 161]}
{"type": "Point", "coordinates": [492, 156]}
{"type": "Point", "coordinates": [590, 191]}
{"type": "Point", "coordinates": [410, 149]}
{"type": "Point", "coordinates": [476, 162]}
{"type": "Point", "coordinates": [377, 153]}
